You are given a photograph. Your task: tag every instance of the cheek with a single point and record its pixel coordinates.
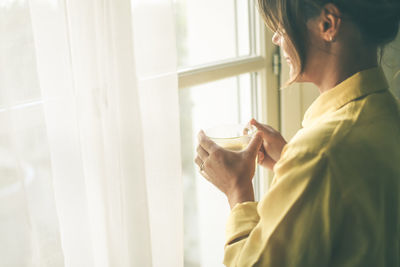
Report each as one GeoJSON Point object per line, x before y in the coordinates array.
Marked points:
{"type": "Point", "coordinates": [287, 56]}
{"type": "Point", "coordinates": [289, 60]}
{"type": "Point", "coordinates": [286, 52]}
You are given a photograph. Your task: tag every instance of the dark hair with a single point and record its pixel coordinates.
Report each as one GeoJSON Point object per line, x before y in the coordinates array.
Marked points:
{"type": "Point", "coordinates": [377, 20]}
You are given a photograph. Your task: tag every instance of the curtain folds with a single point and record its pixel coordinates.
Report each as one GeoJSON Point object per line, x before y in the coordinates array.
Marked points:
{"type": "Point", "coordinates": [90, 148]}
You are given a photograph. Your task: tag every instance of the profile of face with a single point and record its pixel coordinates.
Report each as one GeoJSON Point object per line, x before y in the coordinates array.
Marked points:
{"type": "Point", "coordinates": [279, 39]}
{"type": "Point", "coordinates": [328, 42]}
{"type": "Point", "coordinates": [321, 32]}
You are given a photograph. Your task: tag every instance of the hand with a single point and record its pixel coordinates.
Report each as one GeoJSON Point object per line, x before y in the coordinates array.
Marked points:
{"type": "Point", "coordinates": [231, 172]}
{"type": "Point", "coordinates": [273, 143]}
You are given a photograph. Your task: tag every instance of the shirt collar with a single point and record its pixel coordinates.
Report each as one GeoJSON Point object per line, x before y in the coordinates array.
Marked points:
{"type": "Point", "coordinates": [358, 85]}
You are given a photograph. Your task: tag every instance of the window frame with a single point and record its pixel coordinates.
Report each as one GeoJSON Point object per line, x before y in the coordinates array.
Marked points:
{"type": "Point", "coordinates": [267, 67]}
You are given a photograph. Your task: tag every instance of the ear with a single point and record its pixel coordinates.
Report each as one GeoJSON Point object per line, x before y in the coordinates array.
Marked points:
{"type": "Point", "coordinates": [330, 21]}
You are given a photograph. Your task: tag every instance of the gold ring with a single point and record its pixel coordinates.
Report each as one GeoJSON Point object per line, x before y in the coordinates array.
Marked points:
{"type": "Point", "coordinates": [202, 166]}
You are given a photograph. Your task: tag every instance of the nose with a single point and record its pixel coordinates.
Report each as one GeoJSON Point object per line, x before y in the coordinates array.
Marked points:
{"type": "Point", "coordinates": [276, 38]}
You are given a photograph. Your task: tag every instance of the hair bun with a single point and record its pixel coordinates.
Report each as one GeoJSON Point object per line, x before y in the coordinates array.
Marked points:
{"type": "Point", "coordinates": [378, 20]}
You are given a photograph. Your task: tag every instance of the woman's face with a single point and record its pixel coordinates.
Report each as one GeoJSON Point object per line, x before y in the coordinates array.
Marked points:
{"type": "Point", "coordinates": [314, 57]}
{"type": "Point", "coordinates": [279, 39]}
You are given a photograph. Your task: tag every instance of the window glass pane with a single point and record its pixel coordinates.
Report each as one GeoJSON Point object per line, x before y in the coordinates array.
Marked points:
{"type": "Point", "coordinates": [205, 208]}
{"type": "Point", "coordinates": [209, 30]}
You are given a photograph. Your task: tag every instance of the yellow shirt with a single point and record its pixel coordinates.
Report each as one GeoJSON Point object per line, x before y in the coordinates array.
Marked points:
{"type": "Point", "coordinates": [335, 196]}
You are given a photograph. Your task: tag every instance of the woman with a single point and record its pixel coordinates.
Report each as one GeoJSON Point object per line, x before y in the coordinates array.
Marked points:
{"type": "Point", "coordinates": [335, 196]}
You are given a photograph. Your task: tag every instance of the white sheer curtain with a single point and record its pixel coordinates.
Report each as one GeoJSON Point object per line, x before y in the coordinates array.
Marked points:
{"type": "Point", "coordinates": [89, 134]}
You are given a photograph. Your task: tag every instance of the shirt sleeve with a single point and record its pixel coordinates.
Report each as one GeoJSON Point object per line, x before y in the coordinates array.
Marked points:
{"type": "Point", "coordinates": [293, 224]}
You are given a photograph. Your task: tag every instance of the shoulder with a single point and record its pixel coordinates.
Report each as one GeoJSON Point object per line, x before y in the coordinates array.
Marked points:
{"type": "Point", "coordinates": [363, 135]}
{"type": "Point", "coordinates": [318, 138]}
{"type": "Point", "coordinates": [372, 122]}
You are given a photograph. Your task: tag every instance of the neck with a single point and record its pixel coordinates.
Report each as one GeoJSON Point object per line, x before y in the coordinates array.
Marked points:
{"type": "Point", "coordinates": [340, 65]}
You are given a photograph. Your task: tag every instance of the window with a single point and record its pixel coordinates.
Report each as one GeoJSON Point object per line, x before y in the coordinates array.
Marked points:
{"type": "Point", "coordinates": [224, 71]}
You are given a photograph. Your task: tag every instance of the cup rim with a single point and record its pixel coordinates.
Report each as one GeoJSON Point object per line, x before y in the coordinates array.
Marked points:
{"type": "Point", "coordinates": [252, 130]}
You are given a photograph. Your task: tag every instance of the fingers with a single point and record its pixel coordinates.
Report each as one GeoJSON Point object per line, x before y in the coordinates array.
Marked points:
{"type": "Point", "coordinates": [202, 153]}
{"type": "Point", "coordinates": [260, 126]}
{"type": "Point", "coordinates": [198, 161]}
{"type": "Point", "coordinates": [202, 170]}
{"type": "Point", "coordinates": [268, 162]}
{"type": "Point", "coordinates": [255, 123]}
{"type": "Point", "coordinates": [201, 164]}
{"type": "Point", "coordinates": [255, 144]}
{"type": "Point", "coordinates": [206, 143]}
{"type": "Point", "coordinates": [260, 157]}
{"type": "Point", "coordinates": [246, 129]}
{"type": "Point", "coordinates": [267, 130]}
